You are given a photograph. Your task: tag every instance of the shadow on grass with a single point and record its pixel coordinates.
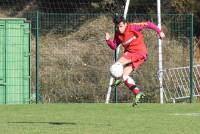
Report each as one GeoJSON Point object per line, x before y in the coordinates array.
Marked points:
{"type": "Point", "coordinates": [51, 123]}
{"type": "Point", "coordinates": [55, 123]}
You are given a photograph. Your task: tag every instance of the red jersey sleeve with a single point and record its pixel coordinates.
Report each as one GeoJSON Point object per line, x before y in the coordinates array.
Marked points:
{"type": "Point", "coordinates": [143, 25]}
{"type": "Point", "coordinates": [113, 44]}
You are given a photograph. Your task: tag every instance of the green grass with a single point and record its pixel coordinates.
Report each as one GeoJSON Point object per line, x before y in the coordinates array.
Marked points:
{"type": "Point", "coordinates": [100, 119]}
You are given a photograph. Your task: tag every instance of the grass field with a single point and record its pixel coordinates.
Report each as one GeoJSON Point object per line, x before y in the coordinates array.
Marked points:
{"type": "Point", "coordinates": [100, 119]}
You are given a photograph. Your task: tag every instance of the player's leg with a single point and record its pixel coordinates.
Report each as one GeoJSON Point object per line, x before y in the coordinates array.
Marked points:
{"type": "Point", "coordinates": [136, 61]}
{"type": "Point", "coordinates": [130, 83]}
{"type": "Point", "coordinates": [127, 61]}
{"type": "Point", "coordinates": [128, 68]}
{"type": "Point", "coordinates": [123, 61]}
{"type": "Point", "coordinates": [128, 80]}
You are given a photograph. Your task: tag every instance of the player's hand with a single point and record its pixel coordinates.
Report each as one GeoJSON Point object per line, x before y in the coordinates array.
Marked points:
{"type": "Point", "coordinates": [161, 35]}
{"type": "Point", "coordinates": [107, 36]}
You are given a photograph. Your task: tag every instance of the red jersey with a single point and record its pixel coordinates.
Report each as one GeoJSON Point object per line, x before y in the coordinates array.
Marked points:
{"type": "Point", "coordinates": [132, 39]}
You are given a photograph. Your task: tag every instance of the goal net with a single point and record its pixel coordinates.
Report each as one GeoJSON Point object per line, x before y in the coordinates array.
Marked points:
{"type": "Point", "coordinates": [176, 83]}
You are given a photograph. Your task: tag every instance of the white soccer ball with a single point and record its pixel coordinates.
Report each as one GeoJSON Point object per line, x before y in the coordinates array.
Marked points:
{"type": "Point", "coordinates": [116, 70]}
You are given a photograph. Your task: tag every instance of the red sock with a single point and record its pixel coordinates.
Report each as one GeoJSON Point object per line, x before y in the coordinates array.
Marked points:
{"type": "Point", "coordinates": [136, 90]}
{"type": "Point", "coordinates": [130, 83]}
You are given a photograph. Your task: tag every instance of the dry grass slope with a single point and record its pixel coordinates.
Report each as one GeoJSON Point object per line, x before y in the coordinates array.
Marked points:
{"type": "Point", "coordinates": [74, 68]}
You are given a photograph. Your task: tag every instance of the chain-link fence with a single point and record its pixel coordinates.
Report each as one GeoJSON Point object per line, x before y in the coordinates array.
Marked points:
{"type": "Point", "coordinates": [73, 59]}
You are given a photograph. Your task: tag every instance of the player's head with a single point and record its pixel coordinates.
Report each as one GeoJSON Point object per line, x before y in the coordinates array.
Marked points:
{"type": "Point", "coordinates": [120, 23]}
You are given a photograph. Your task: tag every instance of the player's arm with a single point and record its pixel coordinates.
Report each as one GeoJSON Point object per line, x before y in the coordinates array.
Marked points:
{"type": "Point", "coordinates": [147, 25]}
{"type": "Point", "coordinates": [113, 44]}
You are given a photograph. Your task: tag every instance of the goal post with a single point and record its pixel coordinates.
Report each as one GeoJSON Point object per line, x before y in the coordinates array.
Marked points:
{"type": "Point", "coordinates": [160, 64]}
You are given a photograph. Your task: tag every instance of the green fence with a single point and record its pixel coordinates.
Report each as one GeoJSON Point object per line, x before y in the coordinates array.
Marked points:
{"type": "Point", "coordinates": [14, 61]}
{"type": "Point", "coordinates": [72, 59]}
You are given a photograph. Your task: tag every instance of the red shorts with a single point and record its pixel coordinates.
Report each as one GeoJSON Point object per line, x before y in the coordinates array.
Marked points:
{"type": "Point", "coordinates": [136, 58]}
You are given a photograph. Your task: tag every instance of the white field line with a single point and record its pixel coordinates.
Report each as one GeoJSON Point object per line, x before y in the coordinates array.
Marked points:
{"type": "Point", "coordinates": [186, 114]}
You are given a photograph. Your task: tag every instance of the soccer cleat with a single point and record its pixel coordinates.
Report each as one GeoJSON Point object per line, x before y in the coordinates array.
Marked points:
{"type": "Point", "coordinates": [138, 98]}
{"type": "Point", "coordinates": [116, 83]}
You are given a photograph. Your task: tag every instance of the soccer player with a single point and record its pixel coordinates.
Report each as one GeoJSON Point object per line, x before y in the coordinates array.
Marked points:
{"type": "Point", "coordinates": [135, 52]}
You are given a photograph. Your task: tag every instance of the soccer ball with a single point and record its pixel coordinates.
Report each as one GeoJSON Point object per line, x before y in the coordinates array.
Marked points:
{"type": "Point", "coordinates": [116, 70]}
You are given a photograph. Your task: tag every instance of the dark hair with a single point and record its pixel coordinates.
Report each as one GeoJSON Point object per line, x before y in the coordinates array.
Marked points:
{"type": "Point", "coordinates": [118, 18]}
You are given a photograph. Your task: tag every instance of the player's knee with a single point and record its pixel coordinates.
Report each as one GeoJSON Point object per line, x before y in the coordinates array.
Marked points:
{"type": "Point", "coordinates": [116, 70]}
{"type": "Point", "coordinates": [125, 77]}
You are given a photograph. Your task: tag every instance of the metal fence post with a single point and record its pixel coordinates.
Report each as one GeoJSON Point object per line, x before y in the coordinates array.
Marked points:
{"type": "Point", "coordinates": [191, 59]}
{"type": "Point", "coordinates": [37, 58]}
